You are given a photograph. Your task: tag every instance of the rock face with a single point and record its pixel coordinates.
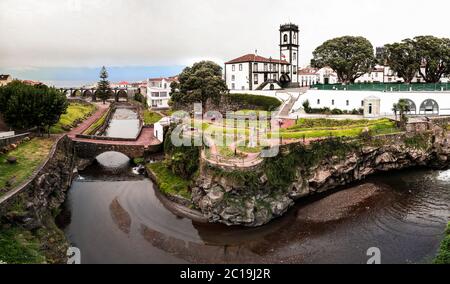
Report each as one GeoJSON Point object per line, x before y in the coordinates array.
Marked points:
{"type": "Point", "coordinates": [222, 199]}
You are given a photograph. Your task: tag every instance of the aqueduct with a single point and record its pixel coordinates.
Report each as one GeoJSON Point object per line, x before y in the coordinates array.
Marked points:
{"type": "Point", "coordinates": [116, 93]}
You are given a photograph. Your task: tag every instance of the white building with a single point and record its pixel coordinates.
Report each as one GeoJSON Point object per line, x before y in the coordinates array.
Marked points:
{"type": "Point", "coordinates": [421, 103]}
{"type": "Point", "coordinates": [254, 72]}
{"type": "Point", "coordinates": [158, 92]}
{"type": "Point", "coordinates": [310, 76]}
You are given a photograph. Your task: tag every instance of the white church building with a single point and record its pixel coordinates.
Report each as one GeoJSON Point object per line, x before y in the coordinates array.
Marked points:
{"type": "Point", "coordinates": [254, 72]}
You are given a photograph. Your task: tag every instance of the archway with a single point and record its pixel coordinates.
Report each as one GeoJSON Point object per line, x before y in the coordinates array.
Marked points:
{"type": "Point", "coordinates": [87, 93]}
{"type": "Point", "coordinates": [429, 106]}
{"type": "Point", "coordinates": [285, 80]}
{"type": "Point", "coordinates": [76, 93]}
{"type": "Point", "coordinates": [121, 94]}
{"type": "Point", "coordinates": [412, 106]}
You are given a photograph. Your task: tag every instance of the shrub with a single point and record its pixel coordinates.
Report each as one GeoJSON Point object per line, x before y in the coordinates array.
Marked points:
{"type": "Point", "coordinates": [247, 101]}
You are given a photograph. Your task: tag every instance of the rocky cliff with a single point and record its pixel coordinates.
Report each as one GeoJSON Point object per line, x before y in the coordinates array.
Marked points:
{"type": "Point", "coordinates": [248, 198]}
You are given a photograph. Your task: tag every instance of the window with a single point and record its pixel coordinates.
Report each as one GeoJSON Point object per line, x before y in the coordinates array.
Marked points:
{"type": "Point", "coordinates": [243, 88]}
{"type": "Point", "coordinates": [332, 102]}
{"type": "Point", "coordinates": [163, 94]}
{"type": "Point", "coordinates": [233, 86]}
{"type": "Point", "coordinates": [318, 101]}
{"type": "Point", "coordinates": [282, 68]}
{"type": "Point", "coordinates": [255, 67]}
{"type": "Point", "coordinates": [165, 85]}
{"type": "Point", "coordinates": [255, 79]}
{"type": "Point", "coordinates": [265, 66]}
{"type": "Point", "coordinates": [347, 102]}
{"type": "Point", "coordinates": [240, 67]}
{"type": "Point", "coordinates": [155, 94]}
{"type": "Point", "coordinates": [362, 103]}
{"type": "Point", "coordinates": [274, 67]}
{"type": "Point", "coordinates": [233, 68]}
{"type": "Point", "coordinates": [294, 56]}
{"type": "Point", "coordinates": [294, 69]}
{"type": "Point", "coordinates": [370, 108]}
{"type": "Point", "coordinates": [275, 76]}
{"type": "Point", "coordinates": [233, 77]}
{"type": "Point", "coordinates": [285, 38]}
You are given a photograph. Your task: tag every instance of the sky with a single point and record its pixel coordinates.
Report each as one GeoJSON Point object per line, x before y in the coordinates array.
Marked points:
{"type": "Point", "coordinates": [69, 40]}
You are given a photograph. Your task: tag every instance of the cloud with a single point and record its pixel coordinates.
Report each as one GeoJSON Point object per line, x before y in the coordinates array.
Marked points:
{"type": "Point", "coordinates": [75, 33]}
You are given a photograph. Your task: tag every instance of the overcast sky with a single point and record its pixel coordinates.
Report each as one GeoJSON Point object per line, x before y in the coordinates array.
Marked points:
{"type": "Point", "coordinates": [91, 33]}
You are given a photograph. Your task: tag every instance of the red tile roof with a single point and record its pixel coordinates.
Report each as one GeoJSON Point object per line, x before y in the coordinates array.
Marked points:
{"type": "Point", "coordinates": [255, 58]}
{"type": "Point", "coordinates": [308, 71]}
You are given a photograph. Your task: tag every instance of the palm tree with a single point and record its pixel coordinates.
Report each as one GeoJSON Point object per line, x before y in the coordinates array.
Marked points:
{"type": "Point", "coordinates": [395, 110]}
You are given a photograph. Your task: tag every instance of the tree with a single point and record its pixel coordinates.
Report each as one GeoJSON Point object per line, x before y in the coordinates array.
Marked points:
{"type": "Point", "coordinates": [402, 107]}
{"type": "Point", "coordinates": [434, 57]}
{"type": "Point", "coordinates": [32, 106]}
{"type": "Point", "coordinates": [350, 57]}
{"type": "Point", "coordinates": [104, 89]}
{"type": "Point", "coordinates": [200, 83]}
{"type": "Point", "coordinates": [402, 58]}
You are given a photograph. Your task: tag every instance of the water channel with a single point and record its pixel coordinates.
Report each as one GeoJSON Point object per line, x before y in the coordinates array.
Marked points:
{"type": "Point", "coordinates": [114, 216]}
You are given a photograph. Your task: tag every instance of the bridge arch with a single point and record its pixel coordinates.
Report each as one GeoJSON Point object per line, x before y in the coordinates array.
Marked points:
{"type": "Point", "coordinates": [121, 94]}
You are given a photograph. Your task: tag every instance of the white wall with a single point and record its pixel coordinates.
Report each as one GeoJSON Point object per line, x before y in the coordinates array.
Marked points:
{"type": "Point", "coordinates": [355, 98]}
{"type": "Point", "coordinates": [241, 80]}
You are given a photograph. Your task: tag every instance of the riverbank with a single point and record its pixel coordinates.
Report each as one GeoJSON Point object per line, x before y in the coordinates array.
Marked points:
{"type": "Point", "coordinates": [443, 256]}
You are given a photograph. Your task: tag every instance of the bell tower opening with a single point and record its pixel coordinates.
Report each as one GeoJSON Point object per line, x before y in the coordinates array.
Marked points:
{"type": "Point", "coordinates": [289, 46]}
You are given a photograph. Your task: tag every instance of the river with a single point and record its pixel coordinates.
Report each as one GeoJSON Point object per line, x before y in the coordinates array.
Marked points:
{"type": "Point", "coordinates": [116, 217]}
{"type": "Point", "coordinates": [123, 124]}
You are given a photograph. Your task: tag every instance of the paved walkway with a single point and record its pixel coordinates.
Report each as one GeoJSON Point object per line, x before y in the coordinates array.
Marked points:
{"type": "Point", "coordinates": [101, 109]}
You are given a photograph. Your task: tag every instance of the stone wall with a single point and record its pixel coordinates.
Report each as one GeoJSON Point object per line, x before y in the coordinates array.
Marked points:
{"type": "Point", "coordinates": [232, 199]}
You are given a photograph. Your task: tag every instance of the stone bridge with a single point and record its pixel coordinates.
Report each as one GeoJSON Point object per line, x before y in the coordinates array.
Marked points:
{"type": "Point", "coordinates": [88, 149]}
{"type": "Point", "coordinates": [86, 92]}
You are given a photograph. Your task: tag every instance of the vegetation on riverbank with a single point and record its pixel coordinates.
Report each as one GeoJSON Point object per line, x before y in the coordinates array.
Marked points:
{"type": "Point", "coordinates": [19, 246]}
{"type": "Point", "coordinates": [151, 117]}
{"type": "Point", "coordinates": [443, 256]}
{"type": "Point", "coordinates": [95, 126]}
{"type": "Point", "coordinates": [29, 155]}
{"type": "Point", "coordinates": [76, 112]}
{"type": "Point", "coordinates": [168, 182]}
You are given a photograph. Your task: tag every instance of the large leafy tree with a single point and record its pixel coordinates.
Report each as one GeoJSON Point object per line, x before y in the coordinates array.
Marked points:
{"type": "Point", "coordinates": [434, 56]}
{"type": "Point", "coordinates": [200, 83]}
{"type": "Point", "coordinates": [24, 106]}
{"type": "Point", "coordinates": [350, 57]}
{"type": "Point", "coordinates": [103, 86]}
{"type": "Point", "coordinates": [402, 58]}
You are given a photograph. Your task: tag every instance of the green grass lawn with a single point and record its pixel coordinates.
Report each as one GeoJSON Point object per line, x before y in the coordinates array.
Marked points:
{"type": "Point", "coordinates": [75, 112]}
{"type": "Point", "coordinates": [29, 156]}
{"type": "Point", "coordinates": [168, 182]}
{"type": "Point", "coordinates": [19, 246]}
{"type": "Point", "coordinates": [151, 117]}
{"type": "Point", "coordinates": [444, 252]}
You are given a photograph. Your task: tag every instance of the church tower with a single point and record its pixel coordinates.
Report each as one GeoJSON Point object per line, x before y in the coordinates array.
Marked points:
{"type": "Point", "coordinates": [289, 51]}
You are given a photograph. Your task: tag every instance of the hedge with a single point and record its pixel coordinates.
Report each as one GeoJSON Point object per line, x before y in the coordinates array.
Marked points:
{"type": "Point", "coordinates": [255, 101]}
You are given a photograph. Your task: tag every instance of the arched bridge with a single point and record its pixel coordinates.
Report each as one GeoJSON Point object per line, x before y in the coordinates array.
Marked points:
{"type": "Point", "coordinates": [85, 92]}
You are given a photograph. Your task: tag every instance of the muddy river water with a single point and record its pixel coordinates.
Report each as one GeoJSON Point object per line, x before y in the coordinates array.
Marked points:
{"type": "Point", "coordinates": [116, 217]}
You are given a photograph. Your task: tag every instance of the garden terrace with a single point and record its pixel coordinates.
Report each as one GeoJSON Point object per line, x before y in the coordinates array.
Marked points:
{"type": "Point", "coordinates": [76, 112]}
